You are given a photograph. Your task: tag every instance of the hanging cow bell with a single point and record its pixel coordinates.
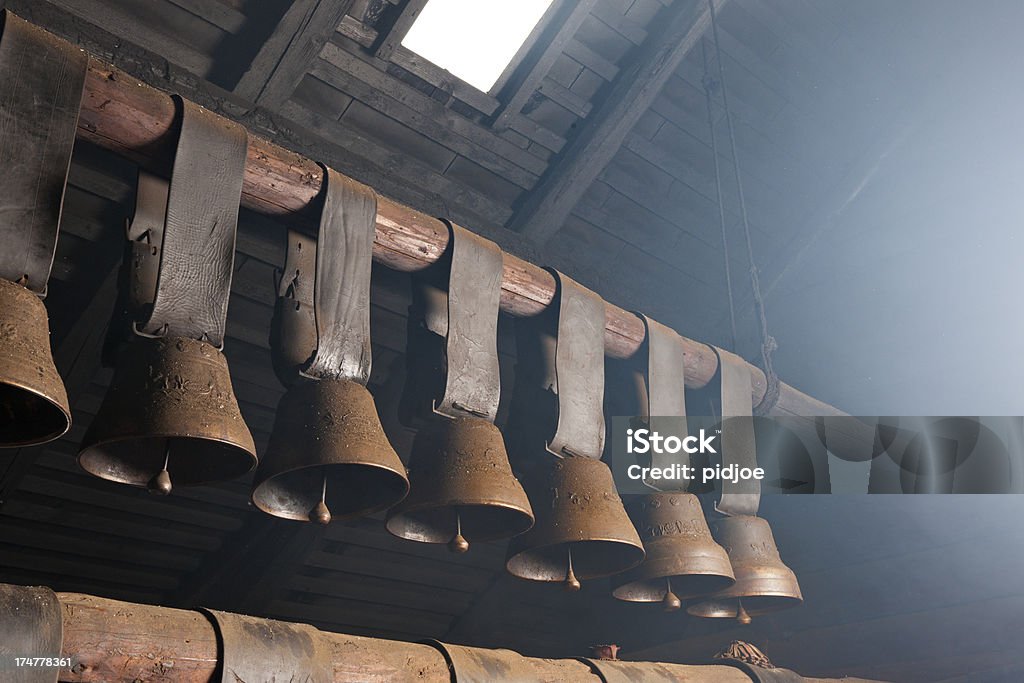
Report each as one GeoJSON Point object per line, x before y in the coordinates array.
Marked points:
{"type": "Point", "coordinates": [170, 415]}
{"type": "Point", "coordinates": [682, 561]}
{"type": "Point", "coordinates": [328, 457]}
{"type": "Point", "coordinates": [463, 489]}
{"type": "Point", "coordinates": [41, 78]}
{"type": "Point", "coordinates": [582, 530]}
{"type": "Point", "coordinates": [33, 403]}
{"type": "Point", "coordinates": [763, 583]}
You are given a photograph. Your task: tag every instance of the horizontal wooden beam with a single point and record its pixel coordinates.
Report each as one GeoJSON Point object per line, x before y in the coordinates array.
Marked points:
{"type": "Point", "coordinates": [110, 640]}
{"type": "Point", "coordinates": [131, 118]}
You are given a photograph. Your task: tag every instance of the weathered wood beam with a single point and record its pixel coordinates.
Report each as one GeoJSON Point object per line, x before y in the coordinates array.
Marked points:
{"type": "Point", "coordinates": [121, 114]}
{"type": "Point", "coordinates": [109, 640]}
{"type": "Point", "coordinates": [549, 204]}
{"type": "Point", "coordinates": [279, 66]}
{"type": "Point", "coordinates": [519, 91]}
{"type": "Point", "coordinates": [394, 37]}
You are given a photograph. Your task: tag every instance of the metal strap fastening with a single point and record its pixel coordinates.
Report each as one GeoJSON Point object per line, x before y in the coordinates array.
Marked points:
{"type": "Point", "coordinates": [472, 375]}
{"type": "Point", "coordinates": [341, 294]}
{"type": "Point", "coordinates": [738, 445]}
{"type": "Point", "coordinates": [666, 392]}
{"type": "Point", "coordinates": [31, 625]}
{"type": "Point", "coordinates": [256, 649]}
{"type": "Point", "coordinates": [293, 326]}
{"type": "Point", "coordinates": [198, 250]}
{"type": "Point", "coordinates": [145, 233]}
{"type": "Point", "coordinates": [41, 83]}
{"type": "Point", "coordinates": [579, 371]}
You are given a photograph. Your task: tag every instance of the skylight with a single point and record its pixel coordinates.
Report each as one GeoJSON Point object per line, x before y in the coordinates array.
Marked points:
{"type": "Point", "coordinates": [474, 39]}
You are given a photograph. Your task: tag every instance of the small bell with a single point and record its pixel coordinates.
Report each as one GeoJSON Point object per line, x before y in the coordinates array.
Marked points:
{"type": "Point", "coordinates": [33, 402]}
{"type": "Point", "coordinates": [328, 457]}
{"type": "Point", "coordinates": [463, 489]}
{"type": "Point", "coordinates": [763, 583]}
{"type": "Point", "coordinates": [582, 530]}
{"type": "Point", "coordinates": [168, 390]}
{"type": "Point", "coordinates": [681, 553]}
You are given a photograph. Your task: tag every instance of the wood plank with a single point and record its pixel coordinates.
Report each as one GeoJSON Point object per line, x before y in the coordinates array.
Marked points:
{"type": "Point", "coordinates": [401, 102]}
{"type": "Point", "coordinates": [444, 80]}
{"type": "Point", "coordinates": [566, 98]}
{"type": "Point", "coordinates": [215, 12]}
{"type": "Point", "coordinates": [519, 91]}
{"type": "Point", "coordinates": [618, 22]}
{"type": "Point", "coordinates": [353, 29]}
{"type": "Point", "coordinates": [547, 207]}
{"type": "Point", "coordinates": [396, 34]}
{"type": "Point", "coordinates": [592, 60]}
{"type": "Point", "coordinates": [285, 57]}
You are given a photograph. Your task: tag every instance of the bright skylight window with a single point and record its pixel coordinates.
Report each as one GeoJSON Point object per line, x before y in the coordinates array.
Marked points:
{"type": "Point", "coordinates": [474, 39]}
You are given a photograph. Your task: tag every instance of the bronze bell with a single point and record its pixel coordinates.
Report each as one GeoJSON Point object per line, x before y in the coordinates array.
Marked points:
{"type": "Point", "coordinates": [682, 561]}
{"type": "Point", "coordinates": [170, 415]}
{"type": "Point", "coordinates": [463, 489]}
{"type": "Point", "coordinates": [33, 402]}
{"type": "Point", "coordinates": [328, 456]}
{"type": "Point", "coordinates": [763, 583]}
{"type": "Point", "coordinates": [582, 530]}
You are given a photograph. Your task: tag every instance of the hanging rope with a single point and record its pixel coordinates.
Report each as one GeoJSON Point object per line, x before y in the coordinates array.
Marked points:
{"type": "Point", "coordinates": [709, 87]}
{"type": "Point", "coordinates": [768, 344]}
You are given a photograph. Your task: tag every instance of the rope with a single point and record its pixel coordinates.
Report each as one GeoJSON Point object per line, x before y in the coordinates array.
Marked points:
{"type": "Point", "coordinates": [768, 343]}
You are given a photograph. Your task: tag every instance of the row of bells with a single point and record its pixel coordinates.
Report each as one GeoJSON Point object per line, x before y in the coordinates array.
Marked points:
{"type": "Point", "coordinates": [170, 417]}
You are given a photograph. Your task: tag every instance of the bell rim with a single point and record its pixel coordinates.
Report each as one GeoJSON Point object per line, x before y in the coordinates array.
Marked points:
{"type": "Point", "coordinates": [637, 584]}
{"type": "Point", "coordinates": [580, 573]}
{"type": "Point", "coordinates": [778, 603]}
{"type": "Point", "coordinates": [38, 441]}
{"type": "Point", "coordinates": [399, 510]}
{"type": "Point", "coordinates": [89, 444]}
{"type": "Point", "coordinates": [339, 516]}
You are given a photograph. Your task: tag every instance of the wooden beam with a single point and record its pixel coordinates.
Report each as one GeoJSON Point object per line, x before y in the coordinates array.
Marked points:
{"type": "Point", "coordinates": [279, 66]}
{"type": "Point", "coordinates": [393, 38]}
{"type": "Point", "coordinates": [549, 204]}
{"type": "Point", "coordinates": [521, 90]}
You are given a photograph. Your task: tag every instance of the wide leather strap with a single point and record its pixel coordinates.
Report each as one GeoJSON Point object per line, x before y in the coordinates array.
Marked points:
{"type": "Point", "coordinates": [666, 392]}
{"type": "Point", "coordinates": [579, 371]}
{"type": "Point", "coordinates": [738, 445]}
{"type": "Point", "coordinates": [472, 375]}
{"type": "Point", "coordinates": [41, 78]}
{"type": "Point", "coordinates": [760, 674]}
{"type": "Point", "coordinates": [293, 326]}
{"type": "Point", "coordinates": [198, 251]}
{"type": "Point", "coordinates": [145, 233]}
{"type": "Point", "coordinates": [31, 626]}
{"type": "Point", "coordinates": [256, 649]}
{"type": "Point", "coordinates": [341, 295]}
{"type": "Point", "coordinates": [617, 671]}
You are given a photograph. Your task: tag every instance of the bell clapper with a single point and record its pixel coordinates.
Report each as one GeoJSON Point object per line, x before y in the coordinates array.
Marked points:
{"type": "Point", "coordinates": [320, 513]}
{"type": "Point", "coordinates": [741, 614]}
{"type": "Point", "coordinates": [571, 583]}
{"type": "Point", "coordinates": [671, 601]}
{"type": "Point", "coordinates": [160, 484]}
{"type": "Point", "coordinates": [458, 544]}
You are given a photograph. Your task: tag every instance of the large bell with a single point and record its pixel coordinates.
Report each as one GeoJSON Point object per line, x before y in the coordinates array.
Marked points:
{"type": "Point", "coordinates": [33, 403]}
{"type": "Point", "coordinates": [582, 530]}
{"type": "Point", "coordinates": [170, 415]}
{"type": "Point", "coordinates": [763, 583]}
{"type": "Point", "coordinates": [328, 456]}
{"type": "Point", "coordinates": [682, 561]}
{"type": "Point", "coordinates": [463, 489]}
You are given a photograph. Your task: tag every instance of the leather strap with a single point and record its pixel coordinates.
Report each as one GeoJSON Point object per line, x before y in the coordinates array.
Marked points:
{"type": "Point", "coordinates": [198, 252]}
{"type": "Point", "coordinates": [472, 376]}
{"type": "Point", "coordinates": [738, 445]}
{"type": "Point", "coordinates": [293, 326]}
{"type": "Point", "coordinates": [31, 625]}
{"type": "Point", "coordinates": [579, 371]}
{"type": "Point", "coordinates": [341, 294]}
{"type": "Point", "coordinates": [760, 674]}
{"type": "Point", "coordinates": [145, 233]}
{"type": "Point", "coordinates": [666, 391]}
{"type": "Point", "coordinates": [255, 649]}
{"type": "Point", "coordinates": [41, 81]}
{"type": "Point", "coordinates": [618, 671]}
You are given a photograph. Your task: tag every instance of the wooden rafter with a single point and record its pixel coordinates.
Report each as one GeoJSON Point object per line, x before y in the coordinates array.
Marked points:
{"type": "Point", "coordinates": [549, 204]}
{"type": "Point", "coordinates": [390, 41]}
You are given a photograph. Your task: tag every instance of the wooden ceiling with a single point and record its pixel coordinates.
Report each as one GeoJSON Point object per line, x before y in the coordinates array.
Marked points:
{"type": "Point", "coordinates": [322, 77]}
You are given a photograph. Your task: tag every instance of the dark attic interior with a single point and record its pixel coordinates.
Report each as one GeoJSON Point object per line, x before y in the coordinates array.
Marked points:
{"type": "Point", "coordinates": [329, 328]}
